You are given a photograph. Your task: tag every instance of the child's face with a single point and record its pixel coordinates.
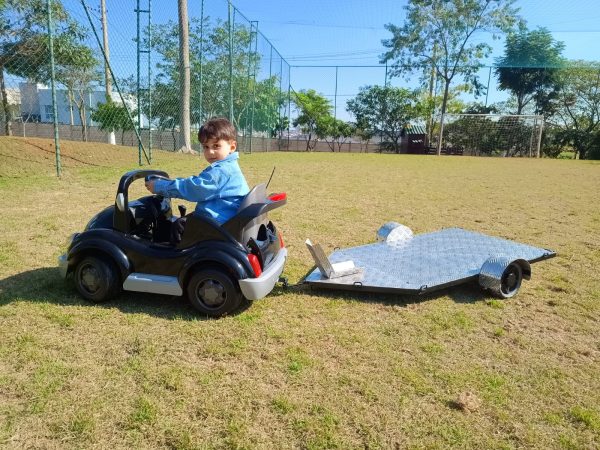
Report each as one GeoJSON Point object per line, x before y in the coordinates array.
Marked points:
{"type": "Point", "coordinates": [218, 149]}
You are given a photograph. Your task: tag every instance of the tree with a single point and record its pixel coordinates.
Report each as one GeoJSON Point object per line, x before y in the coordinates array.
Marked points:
{"type": "Point", "coordinates": [386, 110]}
{"type": "Point", "coordinates": [76, 70]}
{"type": "Point", "coordinates": [578, 111]}
{"type": "Point", "coordinates": [337, 131]}
{"type": "Point", "coordinates": [113, 116]}
{"type": "Point", "coordinates": [314, 112]}
{"type": "Point", "coordinates": [24, 43]}
{"type": "Point", "coordinates": [213, 53]}
{"type": "Point", "coordinates": [594, 148]}
{"type": "Point", "coordinates": [184, 68]}
{"type": "Point", "coordinates": [263, 115]}
{"type": "Point", "coordinates": [438, 34]}
{"type": "Point", "coordinates": [529, 68]}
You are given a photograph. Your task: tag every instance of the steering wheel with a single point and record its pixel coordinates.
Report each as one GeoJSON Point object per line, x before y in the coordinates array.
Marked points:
{"type": "Point", "coordinates": [158, 198]}
{"type": "Point", "coordinates": [156, 177]}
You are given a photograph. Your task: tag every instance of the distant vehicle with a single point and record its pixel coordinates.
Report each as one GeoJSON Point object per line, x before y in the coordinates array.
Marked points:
{"type": "Point", "coordinates": [219, 267]}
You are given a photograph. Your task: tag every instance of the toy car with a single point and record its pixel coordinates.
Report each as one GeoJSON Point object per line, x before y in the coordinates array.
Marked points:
{"type": "Point", "coordinates": [219, 266]}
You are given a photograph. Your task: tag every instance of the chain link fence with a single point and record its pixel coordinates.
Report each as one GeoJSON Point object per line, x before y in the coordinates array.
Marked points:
{"type": "Point", "coordinates": [119, 76]}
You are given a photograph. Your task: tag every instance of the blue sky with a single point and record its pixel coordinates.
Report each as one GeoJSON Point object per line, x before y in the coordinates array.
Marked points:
{"type": "Point", "coordinates": [335, 32]}
{"type": "Point", "coordinates": [330, 32]}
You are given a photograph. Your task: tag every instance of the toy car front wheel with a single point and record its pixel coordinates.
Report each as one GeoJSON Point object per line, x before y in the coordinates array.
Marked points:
{"type": "Point", "coordinates": [96, 280]}
{"type": "Point", "coordinates": [213, 292]}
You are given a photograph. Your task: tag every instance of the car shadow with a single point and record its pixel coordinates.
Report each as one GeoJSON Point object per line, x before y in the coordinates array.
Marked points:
{"type": "Point", "coordinates": [45, 285]}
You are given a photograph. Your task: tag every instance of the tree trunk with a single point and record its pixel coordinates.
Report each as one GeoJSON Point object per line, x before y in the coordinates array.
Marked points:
{"type": "Point", "coordinates": [81, 108]}
{"type": "Point", "coordinates": [520, 104]}
{"type": "Point", "coordinates": [5, 110]}
{"type": "Point", "coordinates": [184, 61]}
{"type": "Point", "coordinates": [71, 99]}
{"type": "Point", "coordinates": [107, 77]}
{"type": "Point", "coordinates": [444, 101]}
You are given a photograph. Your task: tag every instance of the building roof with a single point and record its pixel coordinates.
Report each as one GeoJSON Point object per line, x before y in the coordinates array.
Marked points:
{"type": "Point", "coordinates": [415, 129]}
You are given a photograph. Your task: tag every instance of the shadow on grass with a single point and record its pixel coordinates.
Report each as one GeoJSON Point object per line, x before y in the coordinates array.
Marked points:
{"type": "Point", "coordinates": [45, 285]}
{"type": "Point", "coordinates": [469, 292]}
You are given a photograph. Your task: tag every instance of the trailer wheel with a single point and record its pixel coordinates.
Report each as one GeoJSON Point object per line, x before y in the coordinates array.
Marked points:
{"type": "Point", "coordinates": [503, 277]}
{"type": "Point", "coordinates": [510, 281]}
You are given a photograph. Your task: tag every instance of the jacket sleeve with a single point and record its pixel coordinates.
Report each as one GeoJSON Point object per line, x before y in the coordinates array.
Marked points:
{"type": "Point", "coordinates": [196, 188]}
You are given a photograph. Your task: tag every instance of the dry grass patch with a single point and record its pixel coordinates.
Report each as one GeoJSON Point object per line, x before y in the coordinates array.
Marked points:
{"type": "Point", "coordinates": [303, 368]}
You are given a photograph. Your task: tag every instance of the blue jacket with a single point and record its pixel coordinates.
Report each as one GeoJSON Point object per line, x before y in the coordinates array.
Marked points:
{"type": "Point", "coordinates": [218, 189]}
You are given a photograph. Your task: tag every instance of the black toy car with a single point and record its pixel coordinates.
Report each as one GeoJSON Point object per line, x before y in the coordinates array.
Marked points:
{"type": "Point", "coordinates": [128, 246]}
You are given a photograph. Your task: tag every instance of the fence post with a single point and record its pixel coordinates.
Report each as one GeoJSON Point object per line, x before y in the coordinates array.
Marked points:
{"type": "Point", "coordinates": [230, 28]}
{"type": "Point", "coordinates": [53, 87]}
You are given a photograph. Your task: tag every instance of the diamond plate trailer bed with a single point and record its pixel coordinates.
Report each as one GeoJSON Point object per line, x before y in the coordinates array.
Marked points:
{"type": "Point", "coordinates": [403, 263]}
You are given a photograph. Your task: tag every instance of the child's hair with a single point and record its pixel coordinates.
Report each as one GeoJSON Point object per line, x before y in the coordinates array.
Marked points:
{"type": "Point", "coordinates": [217, 128]}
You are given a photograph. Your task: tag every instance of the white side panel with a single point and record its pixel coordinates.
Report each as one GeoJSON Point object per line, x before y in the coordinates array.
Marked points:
{"type": "Point", "coordinates": [155, 284]}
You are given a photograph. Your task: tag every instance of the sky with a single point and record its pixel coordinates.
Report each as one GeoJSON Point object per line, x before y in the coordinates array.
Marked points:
{"type": "Point", "coordinates": [330, 32]}
{"type": "Point", "coordinates": [345, 33]}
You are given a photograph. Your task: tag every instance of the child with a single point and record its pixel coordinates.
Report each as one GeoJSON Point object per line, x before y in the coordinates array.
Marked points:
{"type": "Point", "coordinates": [220, 187]}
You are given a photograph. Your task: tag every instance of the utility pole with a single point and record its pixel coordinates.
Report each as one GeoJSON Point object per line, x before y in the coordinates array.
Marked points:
{"type": "Point", "coordinates": [107, 78]}
{"type": "Point", "coordinates": [184, 62]}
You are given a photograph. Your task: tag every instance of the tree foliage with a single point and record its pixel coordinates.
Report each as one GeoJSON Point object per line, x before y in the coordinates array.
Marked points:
{"type": "Point", "coordinates": [113, 116]}
{"type": "Point", "coordinates": [24, 42]}
{"type": "Point", "coordinates": [439, 34]}
{"type": "Point", "coordinates": [481, 135]}
{"type": "Point", "coordinates": [578, 112]}
{"type": "Point", "coordinates": [386, 110]}
{"type": "Point", "coordinates": [529, 68]}
{"type": "Point", "coordinates": [256, 104]}
{"type": "Point", "coordinates": [337, 132]}
{"type": "Point", "coordinates": [314, 112]}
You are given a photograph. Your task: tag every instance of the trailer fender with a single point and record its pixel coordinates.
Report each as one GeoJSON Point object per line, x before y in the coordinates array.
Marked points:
{"type": "Point", "coordinates": [503, 276]}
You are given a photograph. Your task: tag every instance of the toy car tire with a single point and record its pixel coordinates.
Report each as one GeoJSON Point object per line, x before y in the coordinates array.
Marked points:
{"type": "Point", "coordinates": [96, 279]}
{"type": "Point", "coordinates": [213, 292]}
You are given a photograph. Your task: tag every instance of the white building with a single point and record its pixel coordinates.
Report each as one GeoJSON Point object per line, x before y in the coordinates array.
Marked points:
{"type": "Point", "coordinates": [36, 105]}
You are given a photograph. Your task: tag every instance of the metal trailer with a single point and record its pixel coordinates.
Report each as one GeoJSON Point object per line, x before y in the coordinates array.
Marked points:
{"type": "Point", "coordinates": [403, 263]}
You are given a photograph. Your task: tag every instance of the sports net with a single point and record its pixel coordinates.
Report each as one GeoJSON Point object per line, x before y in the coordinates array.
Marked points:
{"type": "Point", "coordinates": [492, 134]}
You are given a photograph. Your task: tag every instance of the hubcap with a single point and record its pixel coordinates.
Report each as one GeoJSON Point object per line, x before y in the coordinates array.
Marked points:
{"type": "Point", "coordinates": [510, 281]}
{"type": "Point", "coordinates": [90, 279]}
{"type": "Point", "coordinates": [211, 293]}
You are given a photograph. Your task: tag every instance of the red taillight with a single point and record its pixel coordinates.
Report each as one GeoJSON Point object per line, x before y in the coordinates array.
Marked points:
{"type": "Point", "coordinates": [253, 260]}
{"type": "Point", "coordinates": [281, 244]}
{"type": "Point", "coordinates": [278, 197]}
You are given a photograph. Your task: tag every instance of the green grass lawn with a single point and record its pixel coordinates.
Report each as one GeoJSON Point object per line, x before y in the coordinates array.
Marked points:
{"type": "Point", "coordinates": [302, 368]}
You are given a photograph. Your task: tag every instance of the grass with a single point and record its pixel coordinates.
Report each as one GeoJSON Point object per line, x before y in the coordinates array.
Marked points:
{"type": "Point", "coordinates": [303, 368]}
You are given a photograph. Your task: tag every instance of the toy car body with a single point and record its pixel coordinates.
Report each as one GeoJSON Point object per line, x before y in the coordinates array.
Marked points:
{"type": "Point", "coordinates": [219, 266]}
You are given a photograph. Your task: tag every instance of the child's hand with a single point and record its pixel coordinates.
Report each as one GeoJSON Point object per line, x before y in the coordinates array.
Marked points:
{"type": "Point", "coordinates": [150, 185]}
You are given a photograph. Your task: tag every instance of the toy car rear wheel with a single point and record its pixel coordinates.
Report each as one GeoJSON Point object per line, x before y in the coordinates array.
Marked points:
{"type": "Point", "coordinates": [213, 292]}
{"type": "Point", "coordinates": [96, 279]}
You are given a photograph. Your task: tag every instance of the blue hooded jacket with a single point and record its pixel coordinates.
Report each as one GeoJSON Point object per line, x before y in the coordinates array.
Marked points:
{"type": "Point", "coordinates": [218, 189]}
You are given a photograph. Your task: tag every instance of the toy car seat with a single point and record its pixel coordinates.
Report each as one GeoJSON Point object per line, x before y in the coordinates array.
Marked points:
{"type": "Point", "coordinates": [243, 225]}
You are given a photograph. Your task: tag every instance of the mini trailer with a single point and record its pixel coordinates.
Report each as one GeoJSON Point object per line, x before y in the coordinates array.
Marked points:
{"type": "Point", "coordinates": [403, 263]}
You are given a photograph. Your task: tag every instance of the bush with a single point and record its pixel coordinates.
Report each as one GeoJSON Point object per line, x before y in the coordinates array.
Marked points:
{"type": "Point", "coordinates": [594, 149]}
